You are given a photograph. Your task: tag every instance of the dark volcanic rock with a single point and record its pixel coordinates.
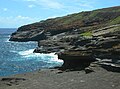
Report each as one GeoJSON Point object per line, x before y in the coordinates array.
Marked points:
{"type": "Point", "coordinates": [95, 18]}
{"type": "Point", "coordinates": [78, 38]}
{"type": "Point", "coordinates": [24, 36]}
{"type": "Point", "coordinates": [110, 64]}
{"type": "Point", "coordinates": [79, 51]}
{"type": "Point", "coordinates": [109, 43]}
{"type": "Point", "coordinates": [73, 59]}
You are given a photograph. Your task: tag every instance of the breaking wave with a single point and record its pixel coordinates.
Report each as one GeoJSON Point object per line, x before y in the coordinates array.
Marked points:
{"type": "Point", "coordinates": [51, 57]}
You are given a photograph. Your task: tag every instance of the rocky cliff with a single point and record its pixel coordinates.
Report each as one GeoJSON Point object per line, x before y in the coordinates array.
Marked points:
{"type": "Point", "coordinates": [92, 19]}
{"type": "Point", "coordinates": [78, 39]}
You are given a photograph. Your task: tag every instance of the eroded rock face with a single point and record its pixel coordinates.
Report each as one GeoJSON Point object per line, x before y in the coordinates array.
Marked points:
{"type": "Point", "coordinates": [77, 41]}
{"type": "Point", "coordinates": [80, 51]}
{"type": "Point", "coordinates": [74, 58]}
{"type": "Point", "coordinates": [97, 18]}
{"type": "Point", "coordinates": [24, 36]}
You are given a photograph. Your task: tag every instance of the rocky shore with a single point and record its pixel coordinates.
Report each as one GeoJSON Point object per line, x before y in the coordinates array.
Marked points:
{"type": "Point", "coordinates": [88, 41]}
{"type": "Point", "coordinates": [94, 37]}
{"type": "Point", "coordinates": [76, 50]}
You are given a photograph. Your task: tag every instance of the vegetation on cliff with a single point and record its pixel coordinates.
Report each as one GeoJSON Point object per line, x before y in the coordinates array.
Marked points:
{"type": "Point", "coordinates": [79, 38]}
{"type": "Point", "coordinates": [74, 21]}
{"type": "Point", "coordinates": [89, 19]}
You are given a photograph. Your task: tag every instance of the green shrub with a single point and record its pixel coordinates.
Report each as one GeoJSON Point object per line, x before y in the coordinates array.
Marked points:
{"type": "Point", "coordinates": [86, 34]}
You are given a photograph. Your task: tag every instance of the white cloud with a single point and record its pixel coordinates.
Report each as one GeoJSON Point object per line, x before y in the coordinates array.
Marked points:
{"type": "Point", "coordinates": [83, 4]}
{"type": "Point", "coordinates": [30, 0]}
{"type": "Point", "coordinates": [17, 20]}
{"type": "Point", "coordinates": [60, 4]}
{"type": "Point", "coordinates": [75, 6]}
{"type": "Point", "coordinates": [5, 9]}
{"type": "Point", "coordinates": [87, 3]}
{"type": "Point", "coordinates": [52, 4]}
{"type": "Point", "coordinates": [22, 17]}
{"type": "Point", "coordinates": [31, 6]}
{"type": "Point", "coordinates": [54, 16]}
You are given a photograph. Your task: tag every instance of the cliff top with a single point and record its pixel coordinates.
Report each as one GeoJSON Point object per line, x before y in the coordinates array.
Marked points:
{"type": "Point", "coordinates": [86, 18]}
{"type": "Point", "coordinates": [89, 20]}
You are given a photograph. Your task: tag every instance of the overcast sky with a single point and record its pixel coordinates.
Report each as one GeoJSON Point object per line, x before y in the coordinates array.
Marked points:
{"type": "Point", "coordinates": [15, 13]}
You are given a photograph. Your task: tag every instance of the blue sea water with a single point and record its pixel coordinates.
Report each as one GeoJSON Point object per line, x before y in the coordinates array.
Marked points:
{"type": "Point", "coordinates": [18, 57]}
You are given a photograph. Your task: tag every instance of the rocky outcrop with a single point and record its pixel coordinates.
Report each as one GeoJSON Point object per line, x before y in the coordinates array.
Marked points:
{"type": "Point", "coordinates": [74, 59]}
{"type": "Point", "coordinates": [39, 31]}
{"type": "Point", "coordinates": [79, 51]}
{"type": "Point", "coordinates": [24, 36]}
{"type": "Point", "coordinates": [77, 41]}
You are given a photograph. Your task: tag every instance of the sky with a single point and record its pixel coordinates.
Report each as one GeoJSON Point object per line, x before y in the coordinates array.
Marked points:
{"type": "Point", "coordinates": [15, 13]}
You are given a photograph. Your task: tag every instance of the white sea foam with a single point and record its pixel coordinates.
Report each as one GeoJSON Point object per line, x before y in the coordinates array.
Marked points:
{"type": "Point", "coordinates": [27, 52]}
{"type": "Point", "coordinates": [7, 40]}
{"type": "Point", "coordinates": [40, 56]}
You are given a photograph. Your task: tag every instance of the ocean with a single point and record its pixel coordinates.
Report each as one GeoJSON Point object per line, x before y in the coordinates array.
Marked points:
{"type": "Point", "coordinates": [18, 57]}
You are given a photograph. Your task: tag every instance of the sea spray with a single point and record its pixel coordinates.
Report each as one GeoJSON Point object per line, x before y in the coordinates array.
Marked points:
{"type": "Point", "coordinates": [18, 57]}
{"type": "Point", "coordinates": [51, 57]}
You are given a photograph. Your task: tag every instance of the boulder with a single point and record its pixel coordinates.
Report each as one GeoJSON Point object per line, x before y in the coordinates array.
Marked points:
{"type": "Point", "coordinates": [74, 59]}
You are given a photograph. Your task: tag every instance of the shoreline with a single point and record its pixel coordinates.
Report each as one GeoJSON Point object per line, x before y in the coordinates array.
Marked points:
{"type": "Point", "coordinates": [57, 79]}
{"type": "Point", "coordinates": [87, 42]}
